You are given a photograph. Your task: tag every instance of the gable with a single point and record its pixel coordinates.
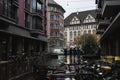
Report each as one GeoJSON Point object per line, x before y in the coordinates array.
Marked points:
{"type": "Point", "coordinates": [89, 18]}
{"type": "Point", "coordinates": [75, 20]}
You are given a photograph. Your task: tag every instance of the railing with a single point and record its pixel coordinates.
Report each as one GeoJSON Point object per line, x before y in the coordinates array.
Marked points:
{"type": "Point", "coordinates": [38, 13]}
{"type": "Point", "coordinates": [20, 65]}
{"type": "Point", "coordinates": [16, 66]}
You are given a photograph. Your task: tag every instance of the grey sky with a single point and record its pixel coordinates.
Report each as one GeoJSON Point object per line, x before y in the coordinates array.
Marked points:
{"type": "Point", "coordinates": [76, 5]}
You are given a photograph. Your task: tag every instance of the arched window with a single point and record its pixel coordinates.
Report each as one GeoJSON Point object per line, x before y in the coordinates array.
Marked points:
{"type": "Point", "coordinates": [74, 33]}
{"type": "Point", "coordinates": [70, 34]}
{"type": "Point", "coordinates": [85, 32]}
{"type": "Point", "coordinates": [78, 33]}
{"type": "Point", "coordinates": [89, 31]}
{"type": "Point", "coordinates": [65, 33]}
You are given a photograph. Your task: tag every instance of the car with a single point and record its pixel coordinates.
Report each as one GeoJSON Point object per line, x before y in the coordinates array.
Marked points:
{"type": "Point", "coordinates": [58, 51]}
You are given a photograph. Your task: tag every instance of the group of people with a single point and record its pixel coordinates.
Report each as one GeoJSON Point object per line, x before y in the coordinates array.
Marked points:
{"type": "Point", "coordinates": [74, 53]}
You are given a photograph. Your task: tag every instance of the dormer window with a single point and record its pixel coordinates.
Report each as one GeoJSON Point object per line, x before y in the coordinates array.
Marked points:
{"type": "Point", "coordinates": [89, 19]}
{"type": "Point", "coordinates": [75, 20]}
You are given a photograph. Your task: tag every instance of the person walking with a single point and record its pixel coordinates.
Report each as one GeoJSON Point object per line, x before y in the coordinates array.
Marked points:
{"type": "Point", "coordinates": [74, 54]}
{"type": "Point", "coordinates": [71, 53]}
{"type": "Point", "coordinates": [79, 52]}
{"type": "Point", "coordinates": [65, 53]}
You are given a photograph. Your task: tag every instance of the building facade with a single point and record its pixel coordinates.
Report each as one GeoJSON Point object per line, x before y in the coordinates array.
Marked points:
{"type": "Point", "coordinates": [23, 40]}
{"type": "Point", "coordinates": [79, 23]}
{"type": "Point", "coordinates": [108, 15]}
{"type": "Point", "coordinates": [55, 25]}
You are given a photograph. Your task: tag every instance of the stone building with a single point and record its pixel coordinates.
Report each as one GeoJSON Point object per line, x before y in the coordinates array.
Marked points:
{"type": "Point", "coordinates": [23, 40]}
{"type": "Point", "coordinates": [79, 23]}
{"type": "Point", "coordinates": [55, 25]}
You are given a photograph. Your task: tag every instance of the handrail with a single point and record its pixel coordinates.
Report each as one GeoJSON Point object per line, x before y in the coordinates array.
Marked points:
{"type": "Point", "coordinates": [5, 62]}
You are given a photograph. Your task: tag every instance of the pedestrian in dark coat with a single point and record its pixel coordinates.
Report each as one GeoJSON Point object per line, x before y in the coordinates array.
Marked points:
{"type": "Point", "coordinates": [74, 54]}
{"type": "Point", "coordinates": [79, 52]}
{"type": "Point", "coordinates": [65, 53]}
{"type": "Point", "coordinates": [71, 53]}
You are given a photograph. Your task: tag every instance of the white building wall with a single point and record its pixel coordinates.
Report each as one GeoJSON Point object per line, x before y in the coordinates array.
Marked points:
{"type": "Point", "coordinates": [81, 29]}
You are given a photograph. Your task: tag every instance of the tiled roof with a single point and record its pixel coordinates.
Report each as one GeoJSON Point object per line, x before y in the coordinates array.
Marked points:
{"type": "Point", "coordinates": [80, 15]}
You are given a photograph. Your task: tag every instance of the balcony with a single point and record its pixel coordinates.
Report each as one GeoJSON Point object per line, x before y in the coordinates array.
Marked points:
{"type": "Point", "coordinates": [103, 24]}
{"type": "Point", "coordinates": [37, 14]}
{"type": "Point", "coordinates": [100, 31]}
{"type": "Point", "coordinates": [36, 32]}
{"type": "Point", "coordinates": [113, 28]}
{"type": "Point", "coordinates": [54, 29]}
{"type": "Point", "coordinates": [110, 8]}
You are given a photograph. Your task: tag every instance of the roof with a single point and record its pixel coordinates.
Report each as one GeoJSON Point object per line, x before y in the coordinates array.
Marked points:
{"type": "Point", "coordinates": [80, 15]}
{"type": "Point", "coordinates": [52, 2]}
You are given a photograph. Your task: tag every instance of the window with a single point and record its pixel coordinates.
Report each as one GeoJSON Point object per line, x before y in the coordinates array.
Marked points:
{"type": "Point", "coordinates": [34, 6]}
{"type": "Point", "coordinates": [71, 35]}
{"type": "Point", "coordinates": [51, 17]}
{"type": "Point", "coordinates": [53, 9]}
{"type": "Point", "coordinates": [85, 32]}
{"type": "Point", "coordinates": [37, 23]}
{"type": "Point", "coordinates": [56, 34]}
{"type": "Point", "coordinates": [77, 27]}
{"type": "Point", "coordinates": [78, 33]}
{"type": "Point", "coordinates": [86, 26]}
{"type": "Point", "coordinates": [37, 6]}
{"type": "Point", "coordinates": [27, 4]}
{"type": "Point", "coordinates": [55, 18]}
{"type": "Point", "coordinates": [74, 33]}
{"type": "Point", "coordinates": [89, 26]}
{"type": "Point", "coordinates": [65, 34]}
{"type": "Point", "coordinates": [51, 34]}
{"type": "Point", "coordinates": [51, 25]}
{"type": "Point", "coordinates": [89, 31]}
{"type": "Point", "coordinates": [95, 26]}
{"type": "Point", "coordinates": [9, 10]}
{"type": "Point", "coordinates": [65, 29]}
{"type": "Point", "coordinates": [75, 20]}
{"type": "Point", "coordinates": [88, 19]}
{"type": "Point", "coordinates": [27, 20]}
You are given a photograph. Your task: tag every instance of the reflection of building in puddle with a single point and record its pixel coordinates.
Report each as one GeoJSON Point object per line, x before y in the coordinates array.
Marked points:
{"type": "Point", "coordinates": [69, 79]}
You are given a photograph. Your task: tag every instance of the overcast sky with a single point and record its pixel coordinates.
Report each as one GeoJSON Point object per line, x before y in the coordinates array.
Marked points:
{"type": "Point", "coordinates": [76, 5]}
